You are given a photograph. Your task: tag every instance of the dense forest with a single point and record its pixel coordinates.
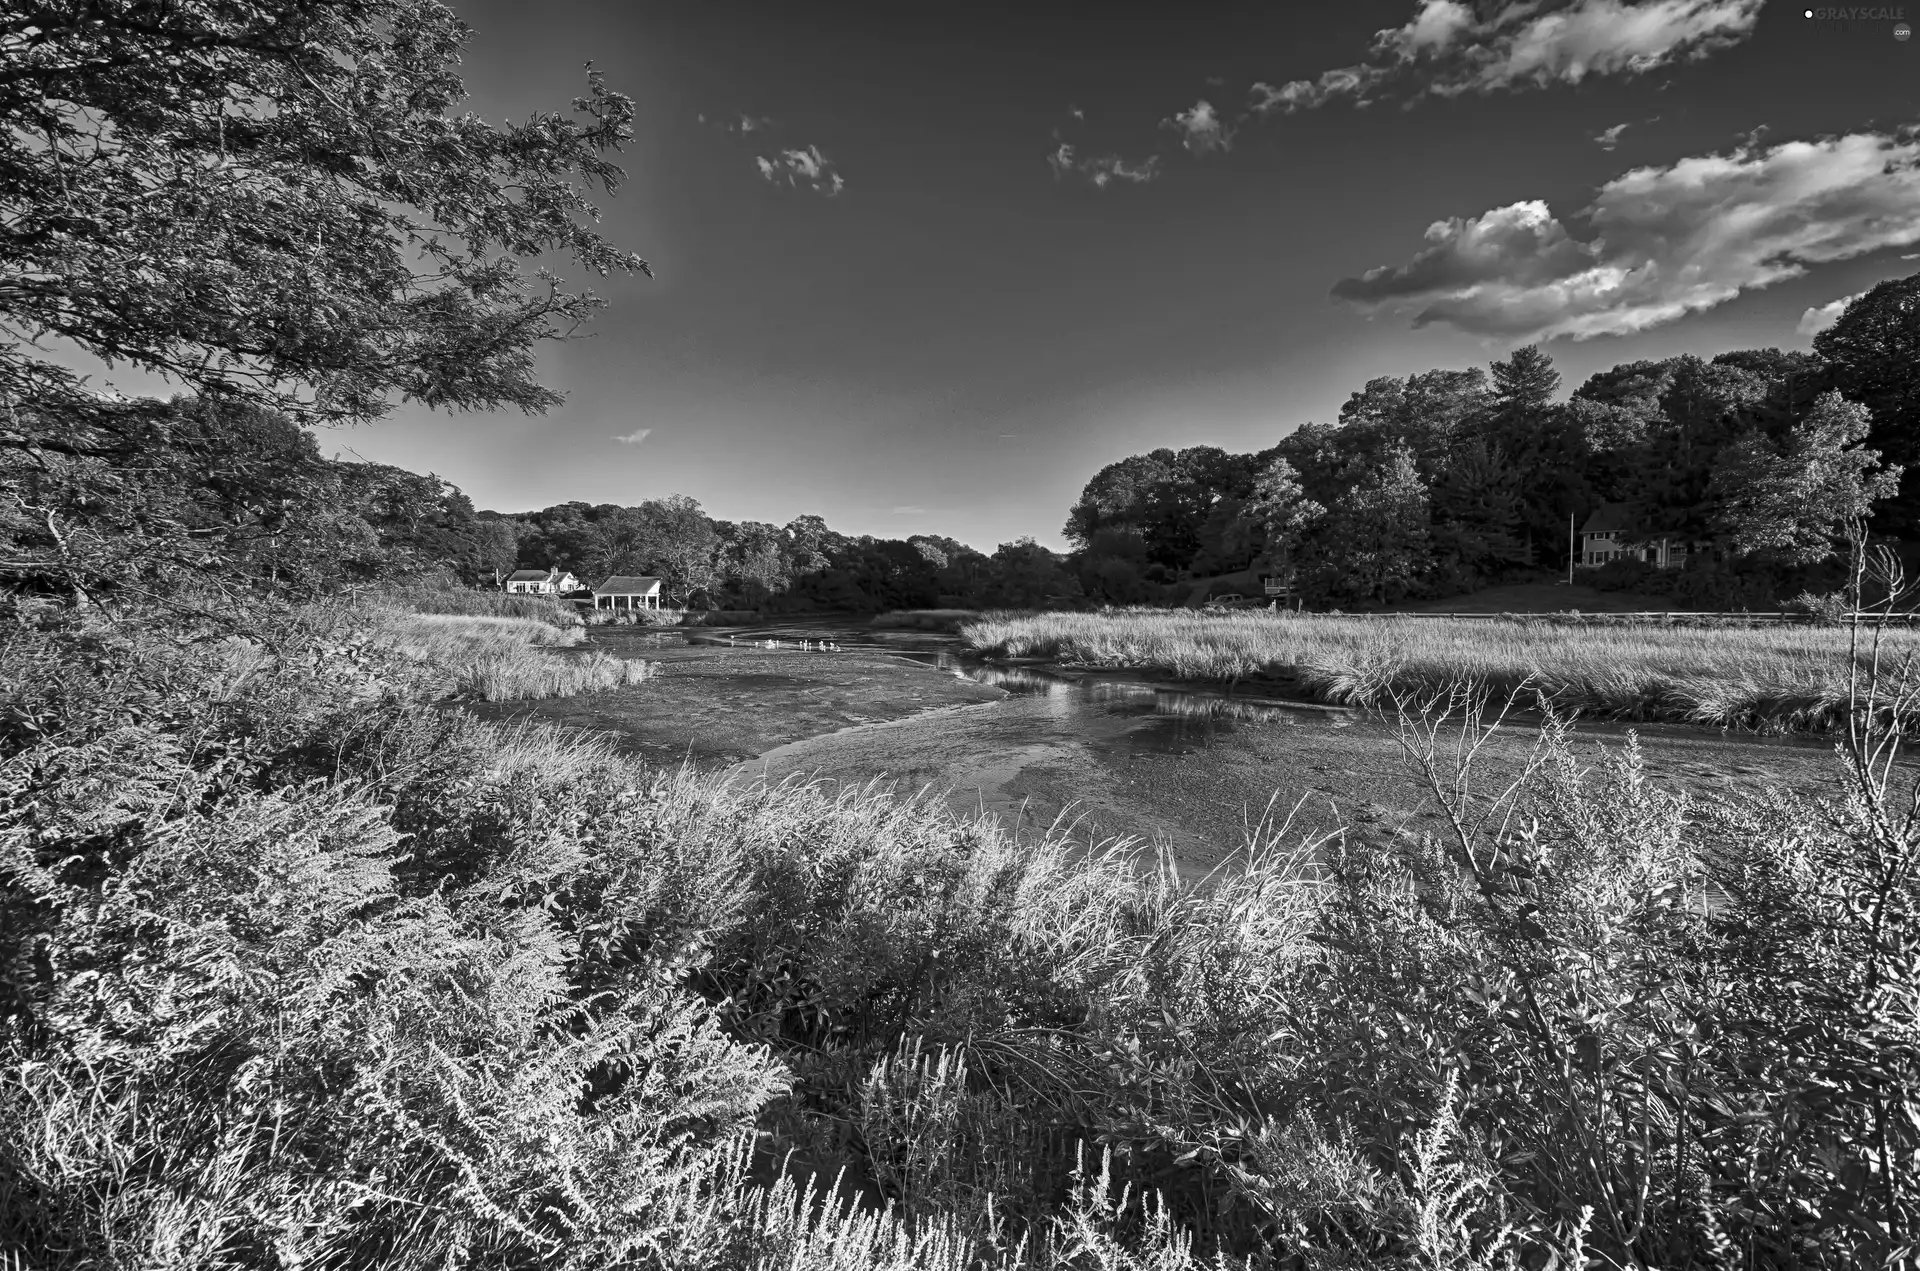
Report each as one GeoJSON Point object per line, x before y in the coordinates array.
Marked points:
{"type": "Point", "coordinates": [1436, 483]}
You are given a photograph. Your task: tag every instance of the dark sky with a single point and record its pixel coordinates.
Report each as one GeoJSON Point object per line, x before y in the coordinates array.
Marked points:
{"type": "Point", "coordinates": [957, 337]}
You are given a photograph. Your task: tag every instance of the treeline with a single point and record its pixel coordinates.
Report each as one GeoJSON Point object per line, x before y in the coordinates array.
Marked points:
{"type": "Point", "coordinates": [1441, 482]}
{"type": "Point", "coordinates": [802, 565]}
{"type": "Point", "coordinates": [145, 498]}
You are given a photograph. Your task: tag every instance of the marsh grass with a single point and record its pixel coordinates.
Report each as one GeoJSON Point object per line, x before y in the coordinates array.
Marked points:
{"type": "Point", "coordinates": [1779, 676]}
{"type": "Point", "coordinates": [500, 659]}
{"type": "Point", "coordinates": [476, 603]}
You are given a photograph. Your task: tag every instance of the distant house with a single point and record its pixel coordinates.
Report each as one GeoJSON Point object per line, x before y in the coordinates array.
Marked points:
{"type": "Point", "coordinates": [541, 582]}
{"type": "Point", "coordinates": [627, 592]}
{"type": "Point", "coordinates": [1604, 538]}
{"type": "Point", "coordinates": [1278, 585]}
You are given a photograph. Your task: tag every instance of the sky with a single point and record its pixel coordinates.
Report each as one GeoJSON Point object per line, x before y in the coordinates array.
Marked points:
{"type": "Point", "coordinates": [926, 267]}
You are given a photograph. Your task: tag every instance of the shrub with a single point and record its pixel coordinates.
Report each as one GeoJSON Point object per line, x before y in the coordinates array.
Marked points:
{"type": "Point", "coordinates": [300, 968]}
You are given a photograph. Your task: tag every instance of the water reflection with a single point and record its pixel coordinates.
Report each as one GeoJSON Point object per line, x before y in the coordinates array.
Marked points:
{"type": "Point", "coordinates": [1134, 697]}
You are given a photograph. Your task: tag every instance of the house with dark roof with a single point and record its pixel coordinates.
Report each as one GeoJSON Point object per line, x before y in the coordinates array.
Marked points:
{"type": "Point", "coordinates": [541, 582]}
{"type": "Point", "coordinates": [627, 591]}
{"type": "Point", "coordinates": [1611, 534]}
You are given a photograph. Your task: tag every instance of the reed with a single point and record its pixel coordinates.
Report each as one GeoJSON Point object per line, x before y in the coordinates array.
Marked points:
{"type": "Point", "coordinates": [1777, 676]}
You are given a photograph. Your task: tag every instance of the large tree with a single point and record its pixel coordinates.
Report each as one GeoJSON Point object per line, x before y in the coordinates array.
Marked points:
{"type": "Point", "coordinates": [1875, 352]}
{"type": "Point", "coordinates": [1793, 502]}
{"type": "Point", "coordinates": [278, 205]}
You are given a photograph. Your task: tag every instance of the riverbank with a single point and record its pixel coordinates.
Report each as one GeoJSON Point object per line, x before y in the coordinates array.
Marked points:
{"type": "Point", "coordinates": [1777, 678]}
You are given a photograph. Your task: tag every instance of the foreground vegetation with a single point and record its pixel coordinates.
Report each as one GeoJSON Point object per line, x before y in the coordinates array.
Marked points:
{"type": "Point", "coordinates": [302, 971]}
{"type": "Point", "coordinates": [1774, 676]}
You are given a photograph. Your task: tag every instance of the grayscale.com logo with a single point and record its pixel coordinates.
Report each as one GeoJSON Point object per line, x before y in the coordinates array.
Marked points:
{"type": "Point", "coordinates": [1901, 31]}
{"type": "Point", "coordinates": [1871, 14]}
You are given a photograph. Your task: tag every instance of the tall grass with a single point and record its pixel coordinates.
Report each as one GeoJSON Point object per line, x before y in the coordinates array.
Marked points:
{"type": "Point", "coordinates": [300, 970]}
{"type": "Point", "coordinates": [508, 659]}
{"type": "Point", "coordinates": [1776, 676]}
{"type": "Point", "coordinates": [469, 602]}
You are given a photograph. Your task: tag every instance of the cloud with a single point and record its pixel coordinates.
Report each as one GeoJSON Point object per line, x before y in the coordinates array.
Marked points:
{"type": "Point", "coordinates": [1102, 170]}
{"type": "Point", "coordinates": [1608, 138]}
{"type": "Point", "coordinates": [739, 123]}
{"type": "Point", "coordinates": [1662, 242]}
{"type": "Point", "coordinates": [1203, 128]}
{"type": "Point", "coordinates": [1814, 321]}
{"type": "Point", "coordinates": [806, 169]}
{"type": "Point", "coordinates": [635, 437]}
{"type": "Point", "coordinates": [1447, 50]}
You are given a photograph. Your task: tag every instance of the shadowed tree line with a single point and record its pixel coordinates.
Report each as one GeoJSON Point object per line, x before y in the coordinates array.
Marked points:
{"type": "Point", "coordinates": [1438, 483]}
{"type": "Point", "coordinates": [802, 565]}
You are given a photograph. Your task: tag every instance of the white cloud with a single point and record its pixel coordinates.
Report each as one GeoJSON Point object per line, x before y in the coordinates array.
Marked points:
{"type": "Point", "coordinates": [1202, 127]}
{"type": "Point", "coordinates": [635, 437]}
{"type": "Point", "coordinates": [1816, 320]}
{"type": "Point", "coordinates": [1102, 170]}
{"type": "Point", "coordinates": [1663, 242]}
{"type": "Point", "coordinates": [739, 123]}
{"type": "Point", "coordinates": [806, 169]}
{"type": "Point", "coordinates": [1449, 51]}
{"type": "Point", "coordinates": [1608, 138]}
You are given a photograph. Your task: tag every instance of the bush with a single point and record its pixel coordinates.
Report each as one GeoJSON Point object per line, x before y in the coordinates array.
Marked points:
{"type": "Point", "coordinates": [1828, 610]}
{"type": "Point", "coordinates": [1626, 574]}
{"type": "Point", "coordinates": [301, 969]}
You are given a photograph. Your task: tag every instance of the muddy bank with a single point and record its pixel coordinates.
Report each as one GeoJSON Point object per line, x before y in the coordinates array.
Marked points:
{"type": "Point", "coordinates": [714, 705]}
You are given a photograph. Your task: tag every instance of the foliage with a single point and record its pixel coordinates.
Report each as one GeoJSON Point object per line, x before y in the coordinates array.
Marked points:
{"type": "Point", "coordinates": [1874, 350]}
{"type": "Point", "coordinates": [275, 201]}
{"type": "Point", "coordinates": [298, 967]}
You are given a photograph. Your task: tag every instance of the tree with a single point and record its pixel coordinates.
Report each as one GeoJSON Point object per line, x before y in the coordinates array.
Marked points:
{"type": "Point", "coordinates": [275, 205]}
{"type": "Point", "coordinates": [1875, 352]}
{"type": "Point", "coordinates": [1703, 408]}
{"type": "Point", "coordinates": [1525, 381]}
{"type": "Point", "coordinates": [1793, 504]}
{"type": "Point", "coordinates": [1376, 538]}
{"type": "Point", "coordinates": [273, 200]}
{"type": "Point", "coordinates": [1282, 513]}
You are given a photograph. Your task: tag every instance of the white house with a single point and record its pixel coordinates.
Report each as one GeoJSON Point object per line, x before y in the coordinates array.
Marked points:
{"type": "Point", "coordinates": [624, 591]}
{"type": "Point", "coordinates": [1602, 539]}
{"type": "Point", "coordinates": [542, 582]}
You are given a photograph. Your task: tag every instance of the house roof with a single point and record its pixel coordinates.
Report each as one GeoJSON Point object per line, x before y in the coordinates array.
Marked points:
{"type": "Point", "coordinates": [628, 585]}
{"type": "Point", "coordinates": [1608, 518]}
{"type": "Point", "coordinates": [529, 576]}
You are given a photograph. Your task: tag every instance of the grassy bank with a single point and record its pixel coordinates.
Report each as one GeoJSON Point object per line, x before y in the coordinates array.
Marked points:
{"type": "Point", "coordinates": [303, 971]}
{"type": "Point", "coordinates": [500, 659]}
{"type": "Point", "coordinates": [1777, 676]}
